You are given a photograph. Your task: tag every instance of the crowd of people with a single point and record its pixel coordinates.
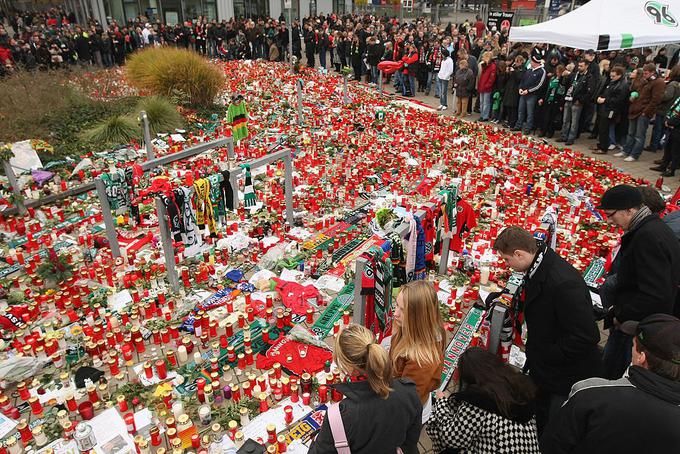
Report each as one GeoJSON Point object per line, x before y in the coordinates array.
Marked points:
{"type": "Point", "coordinates": [615, 96]}
{"type": "Point", "coordinates": [573, 397]}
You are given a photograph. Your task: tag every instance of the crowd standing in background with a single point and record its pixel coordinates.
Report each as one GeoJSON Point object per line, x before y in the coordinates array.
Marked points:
{"type": "Point", "coordinates": [616, 97]}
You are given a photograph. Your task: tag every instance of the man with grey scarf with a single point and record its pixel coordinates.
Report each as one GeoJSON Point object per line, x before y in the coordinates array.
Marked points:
{"type": "Point", "coordinates": [645, 272]}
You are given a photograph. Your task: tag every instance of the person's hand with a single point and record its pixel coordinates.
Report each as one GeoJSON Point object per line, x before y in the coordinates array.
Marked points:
{"type": "Point", "coordinates": [540, 102]}
{"type": "Point", "coordinates": [600, 100]}
{"type": "Point", "coordinates": [441, 394]}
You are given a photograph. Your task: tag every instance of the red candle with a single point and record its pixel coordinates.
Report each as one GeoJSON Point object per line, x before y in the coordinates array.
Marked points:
{"type": "Point", "coordinates": [161, 369]}
{"type": "Point", "coordinates": [86, 410]}
{"type": "Point", "coordinates": [148, 370]}
{"type": "Point", "coordinates": [323, 393]}
{"type": "Point", "coordinates": [288, 412]}
{"type": "Point", "coordinates": [130, 422]}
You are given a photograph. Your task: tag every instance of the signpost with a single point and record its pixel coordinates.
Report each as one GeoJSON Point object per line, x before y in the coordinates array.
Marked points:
{"type": "Point", "coordinates": [500, 20]}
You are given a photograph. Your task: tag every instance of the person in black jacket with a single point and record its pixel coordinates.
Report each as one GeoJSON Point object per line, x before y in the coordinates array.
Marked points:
{"type": "Point", "coordinates": [638, 413]}
{"type": "Point", "coordinates": [580, 90]}
{"type": "Point", "coordinates": [309, 37]}
{"type": "Point", "coordinates": [379, 414]}
{"type": "Point", "coordinates": [529, 87]}
{"type": "Point", "coordinates": [511, 96]}
{"type": "Point", "coordinates": [562, 335]}
{"type": "Point", "coordinates": [610, 104]}
{"type": "Point", "coordinates": [648, 271]}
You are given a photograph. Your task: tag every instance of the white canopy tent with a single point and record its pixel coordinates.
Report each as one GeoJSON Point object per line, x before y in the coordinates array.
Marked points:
{"type": "Point", "coordinates": [608, 25]}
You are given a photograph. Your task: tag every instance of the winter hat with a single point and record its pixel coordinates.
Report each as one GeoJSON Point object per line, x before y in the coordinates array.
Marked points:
{"type": "Point", "coordinates": [536, 58]}
{"type": "Point", "coordinates": [658, 333]}
{"type": "Point", "coordinates": [86, 372]}
{"type": "Point", "coordinates": [621, 197]}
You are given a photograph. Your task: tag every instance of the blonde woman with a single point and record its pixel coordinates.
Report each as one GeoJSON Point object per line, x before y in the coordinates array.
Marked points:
{"type": "Point", "coordinates": [379, 414]}
{"type": "Point", "coordinates": [417, 344]}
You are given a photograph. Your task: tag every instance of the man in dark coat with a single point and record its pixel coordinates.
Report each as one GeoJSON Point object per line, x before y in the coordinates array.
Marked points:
{"type": "Point", "coordinates": [81, 42]}
{"type": "Point", "coordinates": [562, 335]}
{"type": "Point", "coordinates": [648, 271]}
{"type": "Point", "coordinates": [638, 413]}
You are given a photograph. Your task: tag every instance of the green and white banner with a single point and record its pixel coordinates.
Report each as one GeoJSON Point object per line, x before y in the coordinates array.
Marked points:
{"type": "Point", "coordinates": [608, 25]}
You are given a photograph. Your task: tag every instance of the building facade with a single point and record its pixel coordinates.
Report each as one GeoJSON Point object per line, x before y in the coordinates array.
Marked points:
{"type": "Point", "coordinates": [174, 11]}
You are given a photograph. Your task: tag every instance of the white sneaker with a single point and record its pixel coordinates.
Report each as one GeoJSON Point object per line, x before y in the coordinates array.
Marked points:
{"type": "Point", "coordinates": [620, 154]}
{"type": "Point", "coordinates": [611, 147]}
{"type": "Point", "coordinates": [439, 107]}
{"type": "Point", "coordinates": [445, 107]}
{"type": "Point", "coordinates": [630, 159]}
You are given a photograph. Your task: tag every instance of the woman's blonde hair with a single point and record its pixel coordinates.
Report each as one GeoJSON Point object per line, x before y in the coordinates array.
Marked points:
{"type": "Point", "coordinates": [419, 336]}
{"type": "Point", "coordinates": [356, 350]}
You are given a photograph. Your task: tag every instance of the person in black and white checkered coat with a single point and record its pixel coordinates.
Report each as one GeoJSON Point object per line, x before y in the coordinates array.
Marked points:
{"type": "Point", "coordinates": [492, 414]}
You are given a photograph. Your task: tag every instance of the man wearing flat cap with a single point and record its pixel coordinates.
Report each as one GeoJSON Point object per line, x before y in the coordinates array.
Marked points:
{"type": "Point", "coordinates": [638, 413]}
{"type": "Point", "coordinates": [647, 268]}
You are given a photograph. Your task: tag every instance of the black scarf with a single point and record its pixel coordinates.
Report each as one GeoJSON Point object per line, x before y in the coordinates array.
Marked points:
{"type": "Point", "coordinates": [518, 299]}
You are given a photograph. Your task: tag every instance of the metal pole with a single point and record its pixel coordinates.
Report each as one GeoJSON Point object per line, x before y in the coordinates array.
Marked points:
{"type": "Point", "coordinates": [147, 135]}
{"type": "Point", "coordinates": [359, 300]}
{"type": "Point", "coordinates": [9, 171]}
{"type": "Point", "coordinates": [546, 6]}
{"type": "Point", "coordinates": [496, 321]}
{"type": "Point", "coordinates": [345, 94]}
{"type": "Point", "coordinates": [380, 82]}
{"type": "Point", "coordinates": [444, 257]}
{"type": "Point", "coordinates": [233, 181]}
{"type": "Point", "coordinates": [290, 35]}
{"type": "Point", "coordinates": [298, 86]}
{"type": "Point", "coordinates": [230, 148]}
{"type": "Point", "coordinates": [288, 163]}
{"type": "Point", "coordinates": [109, 224]}
{"type": "Point", "coordinates": [168, 250]}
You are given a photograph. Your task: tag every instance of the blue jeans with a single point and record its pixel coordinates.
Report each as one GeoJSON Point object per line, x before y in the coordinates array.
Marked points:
{"type": "Point", "coordinates": [432, 77]}
{"type": "Point", "coordinates": [443, 91]}
{"type": "Point", "coordinates": [657, 134]}
{"type": "Point", "coordinates": [612, 134]}
{"type": "Point", "coordinates": [375, 74]}
{"type": "Point", "coordinates": [322, 58]}
{"type": "Point", "coordinates": [411, 81]}
{"type": "Point", "coordinates": [635, 142]}
{"type": "Point", "coordinates": [527, 107]}
{"type": "Point", "coordinates": [570, 121]}
{"type": "Point", "coordinates": [398, 80]}
{"type": "Point", "coordinates": [617, 354]}
{"type": "Point", "coordinates": [485, 106]}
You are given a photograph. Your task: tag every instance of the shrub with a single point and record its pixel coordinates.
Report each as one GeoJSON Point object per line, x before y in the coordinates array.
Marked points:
{"type": "Point", "coordinates": [166, 71]}
{"type": "Point", "coordinates": [45, 106]}
{"type": "Point", "coordinates": [162, 114]}
{"type": "Point", "coordinates": [114, 130]}
{"type": "Point", "coordinates": [29, 100]}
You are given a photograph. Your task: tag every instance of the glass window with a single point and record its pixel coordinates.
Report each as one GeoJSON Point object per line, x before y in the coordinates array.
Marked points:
{"type": "Point", "coordinates": [295, 12]}
{"type": "Point", "coordinates": [339, 7]}
{"type": "Point", "coordinates": [131, 10]}
{"type": "Point", "coordinates": [114, 10]}
{"type": "Point", "coordinates": [192, 9]}
{"type": "Point", "coordinates": [239, 8]}
{"type": "Point", "coordinates": [210, 10]}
